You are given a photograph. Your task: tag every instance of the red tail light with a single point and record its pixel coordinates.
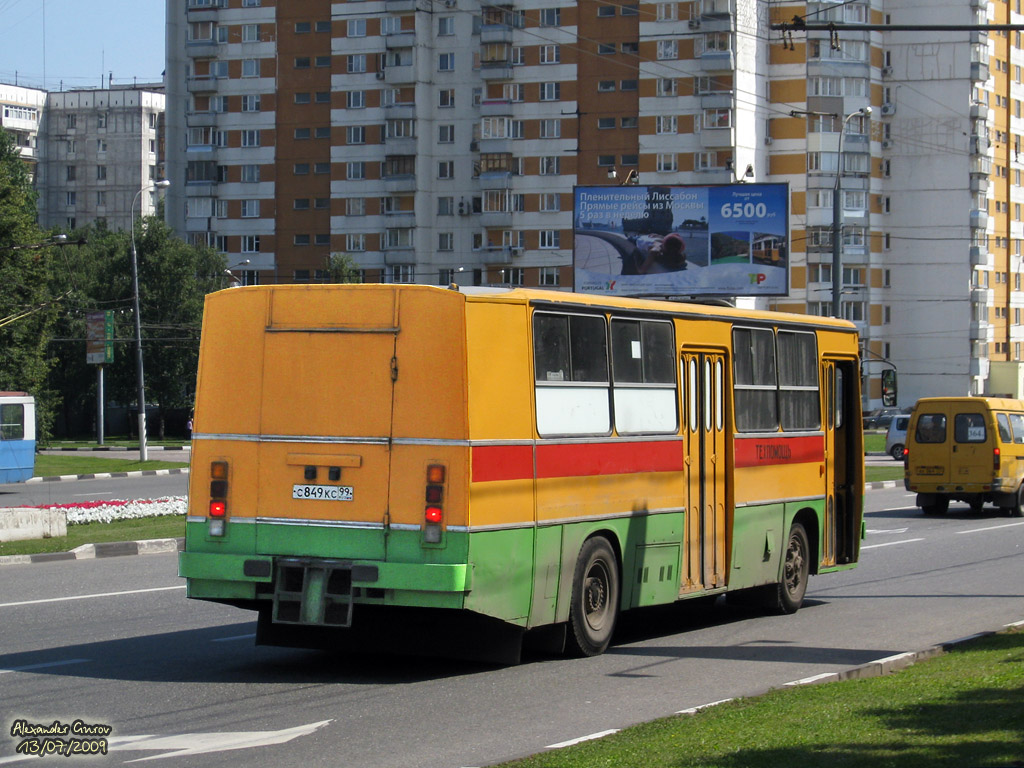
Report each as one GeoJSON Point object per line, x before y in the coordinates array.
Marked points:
{"type": "Point", "coordinates": [995, 459]}
{"type": "Point", "coordinates": [433, 514]}
{"type": "Point", "coordinates": [218, 497]}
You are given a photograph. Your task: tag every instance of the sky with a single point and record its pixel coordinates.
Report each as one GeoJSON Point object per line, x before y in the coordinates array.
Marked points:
{"type": "Point", "coordinates": [84, 42]}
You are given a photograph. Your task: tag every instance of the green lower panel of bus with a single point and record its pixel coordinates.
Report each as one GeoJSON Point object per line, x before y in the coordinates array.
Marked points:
{"type": "Point", "coordinates": [251, 560]}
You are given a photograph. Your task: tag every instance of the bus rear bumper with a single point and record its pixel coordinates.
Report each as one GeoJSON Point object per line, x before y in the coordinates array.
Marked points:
{"type": "Point", "coordinates": [259, 569]}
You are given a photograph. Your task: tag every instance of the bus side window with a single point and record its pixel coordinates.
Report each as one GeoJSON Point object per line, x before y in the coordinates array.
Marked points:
{"type": "Point", "coordinates": [754, 380]}
{"type": "Point", "coordinates": [1003, 423]}
{"type": "Point", "coordinates": [12, 422]}
{"type": "Point", "coordinates": [799, 396]}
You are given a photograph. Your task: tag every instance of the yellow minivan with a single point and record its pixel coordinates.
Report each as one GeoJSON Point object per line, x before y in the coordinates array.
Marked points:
{"type": "Point", "coordinates": [966, 449]}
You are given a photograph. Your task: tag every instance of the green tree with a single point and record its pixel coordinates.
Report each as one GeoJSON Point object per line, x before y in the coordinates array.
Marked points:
{"type": "Point", "coordinates": [27, 310]}
{"type": "Point", "coordinates": [342, 268]}
{"type": "Point", "coordinates": [174, 278]}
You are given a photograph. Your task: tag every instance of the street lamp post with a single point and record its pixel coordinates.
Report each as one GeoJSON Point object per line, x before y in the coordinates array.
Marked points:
{"type": "Point", "coordinates": [139, 378]}
{"type": "Point", "coordinates": [837, 219]}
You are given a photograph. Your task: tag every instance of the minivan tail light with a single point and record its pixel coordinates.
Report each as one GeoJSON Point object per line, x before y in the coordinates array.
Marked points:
{"type": "Point", "coordinates": [995, 459]}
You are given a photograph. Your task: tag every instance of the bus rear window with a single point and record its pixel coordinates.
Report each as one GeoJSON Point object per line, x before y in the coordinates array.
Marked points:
{"type": "Point", "coordinates": [969, 428]}
{"type": "Point", "coordinates": [931, 428]}
{"type": "Point", "coordinates": [12, 421]}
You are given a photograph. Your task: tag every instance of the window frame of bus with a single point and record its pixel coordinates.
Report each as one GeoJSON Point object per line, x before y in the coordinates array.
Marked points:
{"type": "Point", "coordinates": [618, 388]}
{"type": "Point", "coordinates": [758, 385]}
{"type": "Point", "coordinates": [923, 437]}
{"type": "Point", "coordinates": [6, 423]}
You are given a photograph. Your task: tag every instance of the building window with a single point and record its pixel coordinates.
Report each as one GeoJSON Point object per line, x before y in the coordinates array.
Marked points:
{"type": "Point", "coordinates": [323, 97]}
{"type": "Point", "coordinates": [70, 198]}
{"type": "Point", "coordinates": [321, 168]}
{"type": "Point", "coordinates": [445, 241]}
{"type": "Point", "coordinates": [355, 134]}
{"type": "Point", "coordinates": [356, 63]}
{"type": "Point", "coordinates": [667, 162]}
{"type": "Point", "coordinates": [550, 91]}
{"type": "Point", "coordinates": [302, 62]}
{"type": "Point", "coordinates": [355, 242]}
{"type": "Point", "coordinates": [355, 206]}
{"type": "Point", "coordinates": [322, 132]}
{"type": "Point", "coordinates": [356, 28]}
{"type": "Point", "coordinates": [628, 85]}
{"type": "Point", "coordinates": [666, 124]}
{"type": "Point", "coordinates": [446, 26]}
{"type": "Point", "coordinates": [301, 134]}
{"type": "Point", "coordinates": [300, 169]}
{"type": "Point", "coordinates": [250, 68]}
{"type": "Point", "coordinates": [550, 129]}
{"type": "Point", "coordinates": [101, 173]}
{"type": "Point", "coordinates": [301, 239]}
{"type": "Point", "coordinates": [303, 27]}
{"type": "Point", "coordinates": [250, 138]}
{"type": "Point", "coordinates": [303, 97]}
{"type": "Point", "coordinates": [250, 33]}
{"type": "Point", "coordinates": [446, 62]}
{"type": "Point", "coordinates": [251, 102]}
{"type": "Point", "coordinates": [668, 49]}
{"type": "Point", "coordinates": [604, 123]}
{"type": "Point", "coordinates": [604, 86]}
{"type": "Point", "coordinates": [299, 204]}
{"type": "Point", "coordinates": [322, 61]}
{"type": "Point", "coordinates": [355, 170]}
{"type": "Point", "coordinates": [606, 10]}
{"type": "Point", "coordinates": [550, 201]}
{"type": "Point", "coordinates": [549, 276]}
{"type": "Point", "coordinates": [250, 243]}
{"type": "Point", "coordinates": [550, 54]}
{"type": "Point", "coordinates": [355, 99]}
{"type": "Point", "coordinates": [250, 209]}
{"type": "Point", "coordinates": [550, 238]}
{"type": "Point", "coordinates": [446, 169]}
{"type": "Point", "coordinates": [446, 97]}
{"type": "Point", "coordinates": [550, 17]}
{"type": "Point", "coordinates": [402, 273]}
{"type": "Point", "coordinates": [549, 166]}
{"type": "Point", "coordinates": [446, 134]}
{"type": "Point", "coordinates": [70, 173]}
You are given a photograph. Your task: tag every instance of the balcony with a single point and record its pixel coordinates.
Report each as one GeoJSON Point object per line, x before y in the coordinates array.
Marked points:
{"type": "Point", "coordinates": [496, 71]}
{"type": "Point", "coordinates": [201, 49]}
{"type": "Point", "coordinates": [499, 254]}
{"type": "Point", "coordinates": [496, 108]}
{"type": "Point", "coordinates": [400, 75]}
{"type": "Point", "coordinates": [495, 33]}
{"type": "Point", "coordinates": [204, 84]}
{"type": "Point", "coordinates": [495, 180]}
{"type": "Point", "coordinates": [717, 61]}
{"type": "Point", "coordinates": [979, 71]}
{"type": "Point", "coordinates": [979, 219]}
{"type": "Point", "coordinates": [716, 137]}
{"type": "Point", "coordinates": [981, 257]}
{"type": "Point", "coordinates": [979, 111]}
{"type": "Point", "coordinates": [981, 166]}
{"type": "Point", "coordinates": [716, 100]}
{"type": "Point", "coordinates": [493, 146]}
{"type": "Point", "coordinates": [714, 8]}
{"type": "Point", "coordinates": [496, 219]}
{"type": "Point", "coordinates": [400, 183]}
{"type": "Point", "coordinates": [984, 296]}
{"type": "Point", "coordinates": [400, 145]}
{"type": "Point", "coordinates": [201, 119]}
{"type": "Point", "coordinates": [399, 6]}
{"type": "Point", "coordinates": [400, 40]}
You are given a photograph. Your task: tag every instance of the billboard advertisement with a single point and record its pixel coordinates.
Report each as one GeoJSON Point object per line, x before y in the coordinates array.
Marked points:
{"type": "Point", "coordinates": [723, 240]}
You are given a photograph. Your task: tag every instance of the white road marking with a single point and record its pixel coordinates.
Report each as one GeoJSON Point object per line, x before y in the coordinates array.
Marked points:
{"type": "Point", "coordinates": [187, 744]}
{"type": "Point", "coordinates": [89, 597]}
{"type": "Point", "coordinates": [233, 637]}
{"type": "Point", "coordinates": [44, 665]}
{"type": "Point", "coordinates": [581, 739]}
{"type": "Point", "coordinates": [695, 710]}
{"type": "Point", "coordinates": [891, 530]}
{"type": "Point", "coordinates": [990, 528]}
{"type": "Point", "coordinates": [890, 544]}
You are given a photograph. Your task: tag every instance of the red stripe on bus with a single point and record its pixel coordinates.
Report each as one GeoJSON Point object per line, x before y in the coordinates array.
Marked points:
{"type": "Point", "coordinates": [515, 462]}
{"type": "Point", "coordinates": [502, 462]}
{"type": "Point", "coordinates": [771, 451]}
{"type": "Point", "coordinates": [582, 460]}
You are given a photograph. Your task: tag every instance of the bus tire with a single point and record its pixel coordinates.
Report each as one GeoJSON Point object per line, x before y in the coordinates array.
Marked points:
{"type": "Point", "coordinates": [788, 595]}
{"type": "Point", "coordinates": [1017, 509]}
{"type": "Point", "coordinates": [938, 507]}
{"type": "Point", "coordinates": [595, 598]}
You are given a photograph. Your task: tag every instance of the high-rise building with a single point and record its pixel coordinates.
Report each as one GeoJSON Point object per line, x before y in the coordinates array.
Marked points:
{"type": "Point", "coordinates": [101, 147]}
{"type": "Point", "coordinates": [440, 140]}
{"type": "Point", "coordinates": [21, 109]}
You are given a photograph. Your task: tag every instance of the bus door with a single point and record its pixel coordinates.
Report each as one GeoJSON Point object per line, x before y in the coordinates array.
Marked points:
{"type": "Point", "coordinates": [840, 534]}
{"type": "Point", "coordinates": [704, 532]}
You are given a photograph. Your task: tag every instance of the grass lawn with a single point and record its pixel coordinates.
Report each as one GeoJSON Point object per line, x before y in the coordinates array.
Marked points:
{"type": "Point", "coordinates": [51, 465]}
{"type": "Point", "coordinates": [164, 527]}
{"type": "Point", "coordinates": [959, 710]}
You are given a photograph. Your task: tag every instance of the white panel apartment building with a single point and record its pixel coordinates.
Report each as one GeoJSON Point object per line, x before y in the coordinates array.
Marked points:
{"type": "Point", "coordinates": [440, 140]}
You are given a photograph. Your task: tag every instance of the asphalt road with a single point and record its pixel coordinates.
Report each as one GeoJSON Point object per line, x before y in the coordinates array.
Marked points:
{"type": "Point", "coordinates": [115, 642]}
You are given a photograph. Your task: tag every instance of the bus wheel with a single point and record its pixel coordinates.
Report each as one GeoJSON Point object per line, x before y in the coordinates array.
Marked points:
{"type": "Point", "coordinates": [938, 507]}
{"type": "Point", "coordinates": [595, 598]}
{"type": "Point", "coordinates": [788, 595]}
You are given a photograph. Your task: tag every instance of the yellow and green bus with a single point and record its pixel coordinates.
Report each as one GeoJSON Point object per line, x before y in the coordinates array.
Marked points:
{"type": "Point", "coordinates": [391, 462]}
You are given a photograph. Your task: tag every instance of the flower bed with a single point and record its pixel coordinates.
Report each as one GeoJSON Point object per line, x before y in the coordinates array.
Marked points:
{"type": "Point", "coordinates": [108, 511]}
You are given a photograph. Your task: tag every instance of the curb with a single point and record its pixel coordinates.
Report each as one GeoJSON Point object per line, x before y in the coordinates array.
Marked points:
{"type": "Point", "coordinates": [120, 448]}
{"type": "Point", "coordinates": [97, 551]}
{"type": "Point", "coordinates": [108, 475]}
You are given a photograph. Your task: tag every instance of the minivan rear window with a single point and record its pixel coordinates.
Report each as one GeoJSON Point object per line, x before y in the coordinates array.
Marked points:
{"type": "Point", "coordinates": [931, 428]}
{"type": "Point", "coordinates": [969, 428]}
